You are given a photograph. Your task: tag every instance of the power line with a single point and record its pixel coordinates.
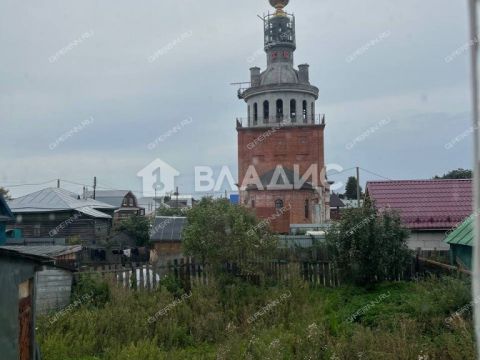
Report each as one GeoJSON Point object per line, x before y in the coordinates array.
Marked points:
{"type": "Point", "coordinates": [375, 174]}
{"type": "Point", "coordinates": [20, 185]}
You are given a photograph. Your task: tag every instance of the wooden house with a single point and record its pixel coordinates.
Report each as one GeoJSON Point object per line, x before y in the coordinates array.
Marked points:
{"type": "Point", "coordinates": [58, 213]}
{"type": "Point", "coordinates": [124, 202]}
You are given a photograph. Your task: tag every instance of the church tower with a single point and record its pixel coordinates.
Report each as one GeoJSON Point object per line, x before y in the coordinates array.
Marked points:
{"type": "Point", "coordinates": [281, 141]}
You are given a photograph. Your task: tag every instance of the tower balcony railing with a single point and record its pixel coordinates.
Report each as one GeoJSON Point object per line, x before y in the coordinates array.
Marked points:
{"type": "Point", "coordinates": [282, 120]}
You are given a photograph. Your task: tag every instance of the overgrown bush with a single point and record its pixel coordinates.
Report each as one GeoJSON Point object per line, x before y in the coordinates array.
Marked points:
{"type": "Point", "coordinates": [91, 288]}
{"type": "Point", "coordinates": [369, 247]}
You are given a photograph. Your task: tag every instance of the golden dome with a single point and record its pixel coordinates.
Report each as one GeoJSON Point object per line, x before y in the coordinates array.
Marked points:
{"type": "Point", "coordinates": [279, 5]}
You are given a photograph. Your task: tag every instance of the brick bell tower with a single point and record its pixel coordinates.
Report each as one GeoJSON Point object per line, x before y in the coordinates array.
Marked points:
{"type": "Point", "coordinates": [280, 143]}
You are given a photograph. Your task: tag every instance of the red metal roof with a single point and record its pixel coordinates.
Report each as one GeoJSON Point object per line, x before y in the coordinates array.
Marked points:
{"type": "Point", "coordinates": [425, 204]}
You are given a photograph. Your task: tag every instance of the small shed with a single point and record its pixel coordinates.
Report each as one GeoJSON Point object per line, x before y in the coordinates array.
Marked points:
{"type": "Point", "coordinates": [461, 242]}
{"type": "Point", "coordinates": [53, 284]}
{"type": "Point", "coordinates": [17, 304]}
{"type": "Point", "coordinates": [166, 237]}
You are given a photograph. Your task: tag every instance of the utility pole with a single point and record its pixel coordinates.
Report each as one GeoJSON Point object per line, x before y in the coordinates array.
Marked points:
{"type": "Point", "coordinates": [176, 194]}
{"type": "Point", "coordinates": [358, 187]}
{"type": "Point", "coordinates": [473, 8]}
{"type": "Point", "coordinates": [58, 183]}
{"type": "Point", "coordinates": [94, 187]}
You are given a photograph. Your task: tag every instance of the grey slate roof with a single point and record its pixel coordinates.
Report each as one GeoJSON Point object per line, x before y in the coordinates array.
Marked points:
{"type": "Point", "coordinates": [54, 199]}
{"type": "Point", "coordinates": [335, 201]}
{"type": "Point", "coordinates": [47, 251]}
{"type": "Point", "coordinates": [111, 197]}
{"type": "Point", "coordinates": [11, 253]}
{"type": "Point", "coordinates": [168, 228]}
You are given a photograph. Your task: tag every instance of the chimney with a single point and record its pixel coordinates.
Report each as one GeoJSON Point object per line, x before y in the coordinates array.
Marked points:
{"type": "Point", "coordinates": [255, 76]}
{"type": "Point", "coordinates": [303, 75]}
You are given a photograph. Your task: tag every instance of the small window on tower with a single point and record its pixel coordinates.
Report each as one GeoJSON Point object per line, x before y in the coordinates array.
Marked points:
{"type": "Point", "coordinates": [279, 204]}
{"type": "Point", "coordinates": [307, 210]}
{"type": "Point", "coordinates": [293, 110]}
{"type": "Point", "coordinates": [255, 113]}
{"type": "Point", "coordinates": [279, 110]}
{"type": "Point", "coordinates": [266, 111]}
{"type": "Point", "coordinates": [304, 111]}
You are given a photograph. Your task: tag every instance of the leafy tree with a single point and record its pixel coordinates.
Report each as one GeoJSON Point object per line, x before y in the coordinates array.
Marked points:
{"type": "Point", "coordinates": [351, 188]}
{"type": "Point", "coordinates": [457, 174]}
{"type": "Point", "coordinates": [137, 227]}
{"type": "Point", "coordinates": [5, 193]}
{"type": "Point", "coordinates": [219, 233]}
{"type": "Point", "coordinates": [168, 211]}
{"type": "Point", "coordinates": [369, 247]}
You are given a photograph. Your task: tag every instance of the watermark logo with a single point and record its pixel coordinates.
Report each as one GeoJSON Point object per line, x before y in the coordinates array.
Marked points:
{"type": "Point", "coordinates": [461, 50]}
{"type": "Point", "coordinates": [158, 176]}
{"type": "Point", "coordinates": [69, 47]}
{"type": "Point", "coordinates": [372, 130]}
{"type": "Point", "coordinates": [169, 47]}
{"type": "Point", "coordinates": [76, 129]}
{"type": "Point", "coordinates": [177, 128]}
{"type": "Point", "coordinates": [362, 50]}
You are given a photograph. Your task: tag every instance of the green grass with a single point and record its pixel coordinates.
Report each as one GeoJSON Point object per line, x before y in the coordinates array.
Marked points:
{"type": "Point", "coordinates": [403, 321]}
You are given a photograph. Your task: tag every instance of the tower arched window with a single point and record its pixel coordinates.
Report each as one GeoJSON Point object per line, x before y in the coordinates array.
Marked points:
{"type": "Point", "coordinates": [313, 112]}
{"type": "Point", "coordinates": [307, 209]}
{"type": "Point", "coordinates": [293, 110]}
{"type": "Point", "coordinates": [248, 114]}
{"type": "Point", "coordinates": [279, 204]}
{"type": "Point", "coordinates": [304, 111]}
{"type": "Point", "coordinates": [279, 110]}
{"type": "Point", "coordinates": [266, 111]}
{"type": "Point", "coordinates": [255, 113]}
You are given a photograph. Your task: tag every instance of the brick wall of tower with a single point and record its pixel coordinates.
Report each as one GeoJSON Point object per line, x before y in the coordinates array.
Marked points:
{"type": "Point", "coordinates": [268, 147]}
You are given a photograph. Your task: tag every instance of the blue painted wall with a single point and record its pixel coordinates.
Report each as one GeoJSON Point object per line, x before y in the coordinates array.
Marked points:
{"type": "Point", "coordinates": [2, 234]}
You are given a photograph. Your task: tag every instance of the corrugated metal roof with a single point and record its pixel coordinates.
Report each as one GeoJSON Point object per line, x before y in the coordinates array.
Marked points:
{"type": "Point", "coordinates": [425, 204]}
{"type": "Point", "coordinates": [463, 234]}
{"type": "Point", "coordinates": [111, 197]}
{"type": "Point", "coordinates": [168, 228]}
{"type": "Point", "coordinates": [94, 213]}
{"type": "Point", "coordinates": [54, 199]}
{"type": "Point", "coordinates": [48, 251]}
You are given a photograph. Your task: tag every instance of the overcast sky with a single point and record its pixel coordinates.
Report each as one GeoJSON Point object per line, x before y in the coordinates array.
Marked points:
{"type": "Point", "coordinates": [124, 73]}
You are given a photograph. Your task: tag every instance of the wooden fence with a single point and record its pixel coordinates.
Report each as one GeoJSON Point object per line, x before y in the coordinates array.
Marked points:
{"type": "Point", "coordinates": [190, 273]}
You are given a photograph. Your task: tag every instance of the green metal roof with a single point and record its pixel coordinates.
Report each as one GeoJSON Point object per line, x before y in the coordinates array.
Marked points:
{"type": "Point", "coordinates": [463, 234]}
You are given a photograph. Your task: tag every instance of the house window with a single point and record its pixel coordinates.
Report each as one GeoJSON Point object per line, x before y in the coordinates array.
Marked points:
{"type": "Point", "coordinates": [266, 111]}
{"type": "Point", "coordinates": [36, 230]}
{"type": "Point", "coordinates": [253, 203]}
{"type": "Point", "coordinates": [313, 112]}
{"type": "Point", "coordinates": [124, 202]}
{"type": "Point", "coordinates": [293, 110]}
{"type": "Point", "coordinates": [130, 202]}
{"type": "Point", "coordinates": [279, 204]}
{"type": "Point", "coordinates": [279, 110]}
{"type": "Point", "coordinates": [255, 114]}
{"type": "Point", "coordinates": [307, 209]}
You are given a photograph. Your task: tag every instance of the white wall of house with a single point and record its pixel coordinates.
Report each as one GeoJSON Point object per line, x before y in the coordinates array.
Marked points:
{"type": "Point", "coordinates": [427, 240]}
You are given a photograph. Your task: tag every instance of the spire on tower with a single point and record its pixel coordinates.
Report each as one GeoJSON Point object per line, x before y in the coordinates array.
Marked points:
{"type": "Point", "coordinates": [279, 5]}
